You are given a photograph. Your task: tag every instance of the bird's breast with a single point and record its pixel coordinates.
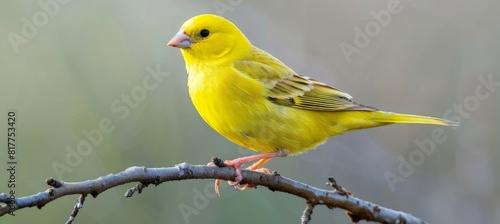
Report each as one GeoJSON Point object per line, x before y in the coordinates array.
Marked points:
{"type": "Point", "coordinates": [230, 103]}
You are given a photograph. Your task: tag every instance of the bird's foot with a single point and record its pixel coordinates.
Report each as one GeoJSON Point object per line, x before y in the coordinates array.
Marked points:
{"type": "Point", "coordinates": [216, 161]}
{"type": "Point", "coordinates": [240, 187]}
{"type": "Point", "coordinates": [237, 163]}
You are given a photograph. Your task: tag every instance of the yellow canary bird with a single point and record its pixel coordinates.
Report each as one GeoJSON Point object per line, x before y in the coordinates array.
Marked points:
{"type": "Point", "coordinates": [258, 102]}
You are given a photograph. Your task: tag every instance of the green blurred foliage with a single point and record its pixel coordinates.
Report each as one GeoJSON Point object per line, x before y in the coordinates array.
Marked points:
{"type": "Point", "coordinates": [88, 55]}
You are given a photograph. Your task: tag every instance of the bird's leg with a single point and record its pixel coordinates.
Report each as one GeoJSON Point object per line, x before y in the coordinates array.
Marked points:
{"type": "Point", "coordinates": [237, 163]}
{"type": "Point", "coordinates": [258, 164]}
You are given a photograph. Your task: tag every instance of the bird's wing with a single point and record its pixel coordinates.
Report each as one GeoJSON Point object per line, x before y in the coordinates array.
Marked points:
{"type": "Point", "coordinates": [285, 87]}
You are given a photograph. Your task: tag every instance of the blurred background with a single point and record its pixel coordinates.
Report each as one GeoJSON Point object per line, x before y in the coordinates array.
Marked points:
{"type": "Point", "coordinates": [74, 71]}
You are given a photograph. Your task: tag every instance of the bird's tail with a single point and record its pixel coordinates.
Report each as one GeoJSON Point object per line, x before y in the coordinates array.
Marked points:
{"type": "Point", "coordinates": [389, 118]}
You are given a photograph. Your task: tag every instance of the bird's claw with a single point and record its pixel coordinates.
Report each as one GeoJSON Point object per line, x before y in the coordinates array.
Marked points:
{"type": "Point", "coordinates": [264, 170]}
{"type": "Point", "coordinates": [217, 184]}
{"type": "Point", "coordinates": [241, 187]}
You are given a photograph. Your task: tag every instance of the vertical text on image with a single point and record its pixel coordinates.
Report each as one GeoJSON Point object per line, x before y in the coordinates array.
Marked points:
{"type": "Point", "coordinates": [12, 157]}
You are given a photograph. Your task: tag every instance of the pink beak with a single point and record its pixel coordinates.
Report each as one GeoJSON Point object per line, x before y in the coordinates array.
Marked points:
{"type": "Point", "coordinates": [180, 40]}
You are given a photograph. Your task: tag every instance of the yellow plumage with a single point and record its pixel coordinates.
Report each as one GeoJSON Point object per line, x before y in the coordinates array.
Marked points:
{"type": "Point", "coordinates": [258, 102]}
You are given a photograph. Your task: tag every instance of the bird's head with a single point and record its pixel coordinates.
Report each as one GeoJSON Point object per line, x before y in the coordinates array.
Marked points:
{"type": "Point", "coordinates": [210, 39]}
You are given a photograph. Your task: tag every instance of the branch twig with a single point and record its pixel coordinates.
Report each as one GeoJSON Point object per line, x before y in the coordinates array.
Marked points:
{"type": "Point", "coordinates": [306, 215]}
{"type": "Point", "coordinates": [339, 198]}
{"type": "Point", "coordinates": [76, 209]}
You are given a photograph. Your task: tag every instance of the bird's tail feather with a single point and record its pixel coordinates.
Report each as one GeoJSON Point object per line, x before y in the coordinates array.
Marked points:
{"type": "Point", "coordinates": [388, 117]}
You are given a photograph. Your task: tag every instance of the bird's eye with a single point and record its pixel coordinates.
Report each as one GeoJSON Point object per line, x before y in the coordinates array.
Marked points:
{"type": "Point", "coordinates": [204, 33]}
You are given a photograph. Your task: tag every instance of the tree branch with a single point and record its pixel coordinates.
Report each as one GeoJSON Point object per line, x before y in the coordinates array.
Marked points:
{"type": "Point", "coordinates": [356, 208]}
